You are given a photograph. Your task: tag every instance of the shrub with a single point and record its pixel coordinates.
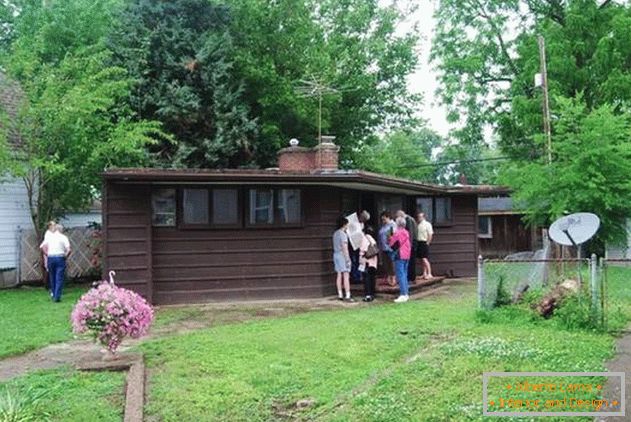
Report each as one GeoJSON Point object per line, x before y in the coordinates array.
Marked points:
{"type": "Point", "coordinates": [111, 313]}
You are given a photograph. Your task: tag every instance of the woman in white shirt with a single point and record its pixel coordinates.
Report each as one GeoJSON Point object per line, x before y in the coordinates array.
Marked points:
{"type": "Point", "coordinates": [56, 247]}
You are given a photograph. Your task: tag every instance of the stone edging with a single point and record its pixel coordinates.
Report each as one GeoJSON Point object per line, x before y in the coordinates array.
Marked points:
{"type": "Point", "coordinates": [135, 382]}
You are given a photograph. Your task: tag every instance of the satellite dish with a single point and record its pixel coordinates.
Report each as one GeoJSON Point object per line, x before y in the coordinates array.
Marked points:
{"type": "Point", "coordinates": [574, 229]}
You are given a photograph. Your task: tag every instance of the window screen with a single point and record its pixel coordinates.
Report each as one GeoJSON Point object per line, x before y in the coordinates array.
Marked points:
{"type": "Point", "coordinates": [289, 208]}
{"type": "Point", "coordinates": [424, 205]}
{"type": "Point", "coordinates": [163, 207]}
{"type": "Point", "coordinates": [485, 229]}
{"type": "Point", "coordinates": [195, 206]}
{"type": "Point", "coordinates": [225, 206]}
{"type": "Point", "coordinates": [261, 206]}
{"type": "Point", "coordinates": [442, 209]}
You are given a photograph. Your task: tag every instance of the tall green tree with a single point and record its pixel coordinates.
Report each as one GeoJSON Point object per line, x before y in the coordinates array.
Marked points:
{"type": "Point", "coordinates": [406, 154]}
{"type": "Point", "coordinates": [487, 55]}
{"type": "Point", "coordinates": [350, 46]}
{"type": "Point", "coordinates": [589, 173]}
{"type": "Point", "coordinates": [73, 121]}
{"type": "Point", "coordinates": [180, 55]}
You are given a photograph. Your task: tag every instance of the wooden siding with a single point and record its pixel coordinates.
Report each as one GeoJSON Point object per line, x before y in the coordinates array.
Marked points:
{"type": "Point", "coordinates": [127, 236]}
{"type": "Point", "coordinates": [454, 249]}
{"type": "Point", "coordinates": [509, 235]}
{"type": "Point", "coordinates": [252, 263]}
{"type": "Point", "coordinates": [175, 265]}
{"type": "Point", "coordinates": [14, 213]}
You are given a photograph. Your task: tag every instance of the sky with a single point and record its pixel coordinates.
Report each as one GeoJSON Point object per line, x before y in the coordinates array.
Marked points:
{"type": "Point", "coordinates": [424, 80]}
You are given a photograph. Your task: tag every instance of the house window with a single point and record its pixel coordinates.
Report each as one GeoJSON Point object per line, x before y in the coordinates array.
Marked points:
{"type": "Point", "coordinates": [390, 203]}
{"type": "Point", "coordinates": [261, 206]}
{"type": "Point", "coordinates": [289, 209]}
{"type": "Point", "coordinates": [442, 211]}
{"type": "Point", "coordinates": [426, 206]}
{"type": "Point", "coordinates": [195, 206]}
{"type": "Point", "coordinates": [485, 227]}
{"type": "Point", "coordinates": [163, 207]}
{"type": "Point", "coordinates": [225, 207]}
{"type": "Point", "coordinates": [437, 209]}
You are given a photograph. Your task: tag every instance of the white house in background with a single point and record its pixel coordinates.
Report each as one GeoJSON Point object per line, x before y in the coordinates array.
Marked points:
{"type": "Point", "coordinates": [620, 251]}
{"type": "Point", "coordinates": [14, 214]}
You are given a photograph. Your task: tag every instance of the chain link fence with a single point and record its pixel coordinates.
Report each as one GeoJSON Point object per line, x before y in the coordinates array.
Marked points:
{"type": "Point", "coordinates": [502, 282]}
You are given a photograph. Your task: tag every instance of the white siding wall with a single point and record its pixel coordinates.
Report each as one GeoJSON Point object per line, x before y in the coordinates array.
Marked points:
{"type": "Point", "coordinates": [14, 213]}
{"type": "Point", "coordinates": [620, 251]}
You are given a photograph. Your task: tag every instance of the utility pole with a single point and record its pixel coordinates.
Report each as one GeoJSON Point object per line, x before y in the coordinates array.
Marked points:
{"type": "Point", "coordinates": [546, 99]}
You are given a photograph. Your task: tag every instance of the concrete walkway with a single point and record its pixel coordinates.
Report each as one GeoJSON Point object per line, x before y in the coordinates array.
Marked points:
{"type": "Point", "coordinates": [620, 363]}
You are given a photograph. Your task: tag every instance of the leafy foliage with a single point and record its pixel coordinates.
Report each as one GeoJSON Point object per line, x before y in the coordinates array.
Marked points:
{"type": "Point", "coordinates": [404, 154]}
{"type": "Point", "coordinates": [73, 120]}
{"type": "Point", "coordinates": [179, 54]}
{"type": "Point", "coordinates": [592, 156]}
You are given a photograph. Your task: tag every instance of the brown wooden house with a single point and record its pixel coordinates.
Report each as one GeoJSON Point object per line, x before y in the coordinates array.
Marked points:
{"type": "Point", "coordinates": [501, 228]}
{"type": "Point", "coordinates": [207, 235]}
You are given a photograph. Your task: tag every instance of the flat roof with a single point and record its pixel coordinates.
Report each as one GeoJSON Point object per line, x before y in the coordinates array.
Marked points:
{"type": "Point", "coordinates": [354, 179]}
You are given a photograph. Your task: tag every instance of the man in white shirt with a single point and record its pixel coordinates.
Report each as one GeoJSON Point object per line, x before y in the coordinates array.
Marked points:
{"type": "Point", "coordinates": [56, 248]}
{"type": "Point", "coordinates": [425, 234]}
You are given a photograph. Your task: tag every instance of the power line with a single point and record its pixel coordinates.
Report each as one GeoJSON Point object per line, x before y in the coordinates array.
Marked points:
{"type": "Point", "coordinates": [445, 163]}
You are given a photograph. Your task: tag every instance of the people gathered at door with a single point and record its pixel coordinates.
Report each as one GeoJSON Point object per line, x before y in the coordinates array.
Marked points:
{"type": "Point", "coordinates": [395, 247]}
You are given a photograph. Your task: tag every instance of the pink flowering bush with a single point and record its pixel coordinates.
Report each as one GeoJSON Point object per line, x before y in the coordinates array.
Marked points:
{"type": "Point", "coordinates": [111, 313]}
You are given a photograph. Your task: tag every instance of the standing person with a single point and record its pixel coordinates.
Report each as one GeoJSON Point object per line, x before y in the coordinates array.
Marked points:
{"type": "Point", "coordinates": [368, 253]}
{"type": "Point", "coordinates": [401, 244]}
{"type": "Point", "coordinates": [411, 227]}
{"type": "Point", "coordinates": [356, 275]}
{"type": "Point", "coordinates": [385, 232]}
{"type": "Point", "coordinates": [425, 236]}
{"type": "Point", "coordinates": [57, 248]}
{"type": "Point", "coordinates": [50, 229]}
{"type": "Point", "coordinates": [342, 260]}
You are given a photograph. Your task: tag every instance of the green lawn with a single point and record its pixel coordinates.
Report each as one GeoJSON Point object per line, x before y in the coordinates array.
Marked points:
{"type": "Point", "coordinates": [29, 319]}
{"type": "Point", "coordinates": [384, 362]}
{"type": "Point", "coordinates": [69, 396]}
{"type": "Point", "coordinates": [394, 362]}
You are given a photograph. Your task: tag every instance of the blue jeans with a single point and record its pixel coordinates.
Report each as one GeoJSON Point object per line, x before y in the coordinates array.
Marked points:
{"type": "Point", "coordinates": [56, 270]}
{"type": "Point", "coordinates": [401, 271]}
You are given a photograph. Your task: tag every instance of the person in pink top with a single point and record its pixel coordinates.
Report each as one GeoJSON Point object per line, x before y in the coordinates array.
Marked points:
{"type": "Point", "coordinates": [401, 243]}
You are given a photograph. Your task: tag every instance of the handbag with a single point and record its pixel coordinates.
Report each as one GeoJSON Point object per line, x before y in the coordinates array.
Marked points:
{"type": "Point", "coordinates": [395, 251]}
{"type": "Point", "coordinates": [372, 251]}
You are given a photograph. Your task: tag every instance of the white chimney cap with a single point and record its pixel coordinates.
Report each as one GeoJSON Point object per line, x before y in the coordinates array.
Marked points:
{"type": "Point", "coordinates": [294, 142]}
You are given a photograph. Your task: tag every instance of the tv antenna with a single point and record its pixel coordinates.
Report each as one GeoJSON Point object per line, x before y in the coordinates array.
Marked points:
{"type": "Point", "coordinates": [574, 230]}
{"type": "Point", "coordinates": [312, 88]}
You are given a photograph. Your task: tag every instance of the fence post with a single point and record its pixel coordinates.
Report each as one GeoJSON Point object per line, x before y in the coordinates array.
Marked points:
{"type": "Point", "coordinates": [593, 278]}
{"type": "Point", "coordinates": [481, 283]}
{"type": "Point", "coordinates": [603, 299]}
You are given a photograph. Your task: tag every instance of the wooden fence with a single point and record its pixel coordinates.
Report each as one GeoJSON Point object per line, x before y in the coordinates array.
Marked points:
{"type": "Point", "coordinates": [80, 263]}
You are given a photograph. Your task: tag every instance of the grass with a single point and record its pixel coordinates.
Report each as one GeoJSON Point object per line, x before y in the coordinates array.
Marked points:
{"type": "Point", "coordinates": [419, 361]}
{"type": "Point", "coordinates": [29, 319]}
{"type": "Point", "coordinates": [67, 395]}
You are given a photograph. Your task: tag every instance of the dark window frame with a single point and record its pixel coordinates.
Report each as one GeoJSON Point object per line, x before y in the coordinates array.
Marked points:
{"type": "Point", "coordinates": [489, 233]}
{"type": "Point", "coordinates": [211, 224]}
{"type": "Point", "coordinates": [175, 211]}
{"type": "Point", "coordinates": [435, 223]}
{"type": "Point", "coordinates": [276, 224]}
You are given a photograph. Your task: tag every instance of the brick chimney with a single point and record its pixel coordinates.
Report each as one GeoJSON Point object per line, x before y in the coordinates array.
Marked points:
{"type": "Point", "coordinates": [322, 157]}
